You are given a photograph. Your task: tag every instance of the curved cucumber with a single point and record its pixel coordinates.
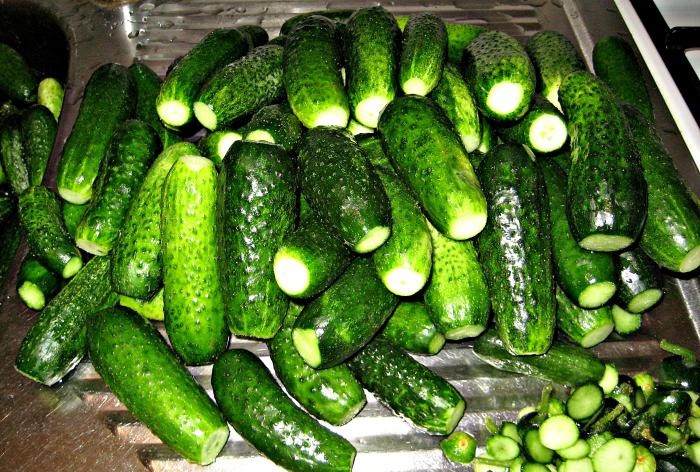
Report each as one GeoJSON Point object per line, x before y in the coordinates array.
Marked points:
{"type": "Point", "coordinates": [423, 54]}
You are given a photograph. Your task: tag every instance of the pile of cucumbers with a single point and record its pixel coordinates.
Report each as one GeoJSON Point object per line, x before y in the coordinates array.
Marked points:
{"type": "Point", "coordinates": [359, 187]}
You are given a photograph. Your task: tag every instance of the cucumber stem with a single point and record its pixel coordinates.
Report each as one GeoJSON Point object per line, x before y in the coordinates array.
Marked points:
{"type": "Point", "coordinates": [689, 359]}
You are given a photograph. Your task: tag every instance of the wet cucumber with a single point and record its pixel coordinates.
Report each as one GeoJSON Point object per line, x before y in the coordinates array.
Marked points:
{"type": "Point", "coordinates": [35, 283]}
{"type": "Point", "coordinates": [12, 153]}
{"type": "Point", "coordinates": [72, 214]}
{"type": "Point", "coordinates": [16, 78]}
{"type": "Point", "coordinates": [409, 327]}
{"type": "Point", "coordinates": [640, 280]}
{"type": "Point", "coordinates": [147, 85]}
{"type": "Point", "coordinates": [216, 144]}
{"type": "Point", "coordinates": [423, 54]}
{"type": "Point", "coordinates": [586, 327]}
{"type": "Point", "coordinates": [458, 36]}
{"type": "Point", "coordinates": [39, 130]}
{"type": "Point", "coordinates": [542, 128]}
{"type": "Point", "coordinates": [50, 94]}
{"type": "Point", "coordinates": [276, 124]}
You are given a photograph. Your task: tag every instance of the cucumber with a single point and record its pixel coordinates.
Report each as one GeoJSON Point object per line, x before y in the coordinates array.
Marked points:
{"type": "Point", "coordinates": [193, 296]}
{"type": "Point", "coordinates": [429, 157]}
{"type": "Point", "coordinates": [340, 185]}
{"type": "Point", "coordinates": [410, 328]}
{"type": "Point", "coordinates": [56, 342]}
{"type": "Point", "coordinates": [16, 78]}
{"type": "Point", "coordinates": [458, 36]}
{"type": "Point", "coordinates": [338, 15]}
{"type": "Point", "coordinates": [356, 128]}
{"type": "Point", "coordinates": [500, 74]}
{"type": "Point", "coordinates": [408, 388]}
{"type": "Point", "coordinates": [543, 128]}
{"type": "Point", "coordinates": [615, 62]}
{"type": "Point", "coordinates": [371, 47]}
{"type": "Point", "coordinates": [150, 309]}
{"type": "Point", "coordinates": [625, 322]}
{"type": "Point", "coordinates": [515, 250]}
{"type": "Point", "coordinates": [181, 85]}
{"type": "Point", "coordinates": [585, 327]}
{"type": "Point", "coordinates": [35, 283]}
{"type": "Point", "coordinates": [423, 54]}
{"type": "Point", "coordinates": [47, 237]}
{"type": "Point", "coordinates": [488, 139]}
{"type": "Point", "coordinates": [459, 447]}
{"type": "Point", "coordinates": [38, 135]}
{"type": "Point", "coordinates": [241, 88]}
{"type": "Point", "coordinates": [457, 297]}
{"type": "Point", "coordinates": [7, 205]}
{"type": "Point", "coordinates": [276, 124]}
{"type": "Point", "coordinates": [607, 194]}
{"type": "Point", "coordinates": [312, 78]}
{"type": "Point", "coordinates": [216, 144]}
{"type": "Point", "coordinates": [554, 57]}
{"type": "Point", "coordinates": [257, 206]}
{"type": "Point", "coordinates": [10, 239]}
{"type": "Point", "coordinates": [640, 282]}
{"type": "Point", "coordinates": [257, 408]}
{"type": "Point", "coordinates": [588, 277]}
{"type": "Point", "coordinates": [131, 151]}
{"type": "Point", "coordinates": [254, 34]}
{"type": "Point", "coordinates": [50, 94]}
{"type": "Point", "coordinates": [337, 323]}
{"type": "Point", "coordinates": [454, 98]}
{"type": "Point", "coordinates": [616, 455]}
{"type": "Point", "coordinates": [137, 264]}
{"type": "Point", "coordinates": [671, 235]}
{"type": "Point", "coordinates": [12, 155]}
{"type": "Point", "coordinates": [109, 99]}
{"type": "Point", "coordinates": [148, 378]}
{"type": "Point", "coordinates": [72, 215]}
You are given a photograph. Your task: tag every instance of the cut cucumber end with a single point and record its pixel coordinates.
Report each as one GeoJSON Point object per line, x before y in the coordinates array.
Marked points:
{"type": "Point", "coordinates": [548, 133]}
{"type": "Point", "coordinates": [78, 198]}
{"type": "Point", "coordinates": [306, 342]}
{"type": "Point", "coordinates": [610, 379]}
{"type": "Point", "coordinates": [558, 432]}
{"type": "Point", "coordinates": [226, 141]}
{"type": "Point", "coordinates": [291, 274]}
{"type": "Point", "coordinates": [205, 115]}
{"type": "Point", "coordinates": [90, 247]}
{"type": "Point", "coordinates": [436, 344]}
{"type": "Point", "coordinates": [355, 127]}
{"type": "Point", "coordinates": [415, 86]}
{"type": "Point", "coordinates": [260, 135]}
{"type": "Point", "coordinates": [505, 97]}
{"type": "Point", "coordinates": [351, 413]}
{"type": "Point", "coordinates": [195, 163]}
{"type": "Point", "coordinates": [72, 267]}
{"type": "Point", "coordinates": [645, 300]}
{"type": "Point", "coordinates": [174, 113]}
{"type": "Point", "coordinates": [31, 295]}
{"type": "Point", "coordinates": [334, 116]}
{"type": "Point", "coordinates": [691, 261]}
{"type": "Point", "coordinates": [598, 335]}
{"type": "Point", "coordinates": [404, 281]}
{"type": "Point", "coordinates": [453, 416]}
{"type": "Point", "coordinates": [469, 331]}
{"type": "Point", "coordinates": [374, 238]}
{"type": "Point", "coordinates": [553, 97]}
{"type": "Point", "coordinates": [626, 322]}
{"type": "Point", "coordinates": [368, 110]}
{"type": "Point", "coordinates": [470, 142]}
{"type": "Point", "coordinates": [605, 242]}
{"type": "Point", "coordinates": [467, 226]}
{"type": "Point", "coordinates": [213, 445]}
{"type": "Point", "coordinates": [597, 294]}
{"type": "Point", "coordinates": [616, 455]}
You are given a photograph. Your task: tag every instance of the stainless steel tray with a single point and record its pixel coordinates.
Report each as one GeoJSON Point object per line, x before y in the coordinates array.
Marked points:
{"type": "Point", "coordinates": [80, 426]}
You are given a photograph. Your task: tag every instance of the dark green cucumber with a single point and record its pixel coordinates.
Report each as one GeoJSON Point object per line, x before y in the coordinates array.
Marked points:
{"type": "Point", "coordinates": [7, 205]}
{"type": "Point", "coordinates": [340, 185]}
{"type": "Point", "coordinates": [16, 78]}
{"type": "Point", "coordinates": [640, 283]}
{"type": "Point", "coordinates": [671, 235]}
{"type": "Point", "coordinates": [430, 158]}
{"type": "Point", "coordinates": [459, 447]}
{"type": "Point", "coordinates": [10, 239]}
{"type": "Point", "coordinates": [312, 77]}
{"type": "Point", "coordinates": [150, 309]}
{"type": "Point", "coordinates": [193, 296]}
{"type": "Point", "coordinates": [332, 395]}
{"type": "Point", "coordinates": [254, 34]}
{"type": "Point", "coordinates": [453, 96]}
{"type": "Point", "coordinates": [310, 258]}
{"type": "Point", "coordinates": [56, 342]}
{"type": "Point", "coordinates": [276, 124]}
{"type": "Point", "coordinates": [409, 327]}
{"type": "Point", "coordinates": [457, 297]}
{"type": "Point", "coordinates": [216, 144]}
{"type": "Point", "coordinates": [241, 88]}
{"type": "Point", "coordinates": [458, 36]}
{"type": "Point", "coordinates": [148, 378]}
{"type": "Point", "coordinates": [147, 85]}
{"type": "Point", "coordinates": [423, 54]}
{"type": "Point", "coordinates": [50, 94]}
{"type": "Point", "coordinates": [257, 207]}
{"type": "Point", "coordinates": [338, 15]}
{"type": "Point", "coordinates": [515, 250]}
{"type": "Point", "coordinates": [554, 57]}
{"type": "Point", "coordinates": [181, 85]}
{"type": "Point", "coordinates": [72, 215]}
{"type": "Point", "coordinates": [607, 194]}
{"type": "Point", "coordinates": [48, 239]}
{"type": "Point", "coordinates": [500, 74]}
{"type": "Point", "coordinates": [35, 283]}
{"type": "Point", "coordinates": [583, 326]}
{"type": "Point", "coordinates": [587, 277]}
{"type": "Point", "coordinates": [257, 408]}
{"type": "Point", "coordinates": [341, 320]}
{"type": "Point", "coordinates": [615, 62]}
{"type": "Point", "coordinates": [12, 155]}
{"type": "Point", "coordinates": [563, 363]}
{"type": "Point", "coordinates": [133, 147]}
{"type": "Point", "coordinates": [409, 388]}
{"type": "Point", "coordinates": [371, 51]}
{"type": "Point", "coordinates": [39, 130]}
{"type": "Point", "coordinates": [137, 265]}
{"type": "Point", "coordinates": [542, 129]}
{"type": "Point", "coordinates": [109, 99]}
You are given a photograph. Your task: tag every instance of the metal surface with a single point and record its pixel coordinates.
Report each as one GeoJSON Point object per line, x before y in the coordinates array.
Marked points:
{"type": "Point", "coordinates": [79, 426]}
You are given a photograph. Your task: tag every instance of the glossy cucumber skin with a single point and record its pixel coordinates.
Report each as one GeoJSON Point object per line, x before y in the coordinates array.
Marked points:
{"type": "Point", "coordinates": [56, 342]}
{"type": "Point", "coordinates": [257, 408]}
{"type": "Point", "coordinates": [255, 35]}
{"type": "Point", "coordinates": [32, 271]}
{"type": "Point", "coordinates": [280, 122]}
{"type": "Point", "coordinates": [12, 153]}
{"type": "Point", "coordinates": [108, 100]}
{"type": "Point", "coordinates": [637, 273]}
{"type": "Point", "coordinates": [72, 214]}
{"type": "Point", "coordinates": [515, 250]}
{"type": "Point", "coordinates": [144, 374]}
{"type": "Point", "coordinates": [137, 265]}
{"type": "Point", "coordinates": [520, 131]}
{"type": "Point", "coordinates": [409, 327]}
{"type": "Point", "coordinates": [577, 322]}
{"type": "Point", "coordinates": [423, 52]}
{"type": "Point", "coordinates": [339, 15]}
{"type": "Point", "coordinates": [192, 297]}
{"type": "Point", "coordinates": [147, 85]}
{"type": "Point", "coordinates": [257, 207]}
{"type": "Point", "coordinates": [131, 151]}
{"type": "Point", "coordinates": [16, 78]}
{"type": "Point", "coordinates": [39, 130]}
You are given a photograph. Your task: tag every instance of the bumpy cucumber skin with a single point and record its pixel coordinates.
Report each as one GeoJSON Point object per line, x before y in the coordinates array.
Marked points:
{"type": "Point", "coordinates": [137, 266]}
{"type": "Point", "coordinates": [515, 250]}
{"type": "Point", "coordinates": [312, 63]}
{"type": "Point", "coordinates": [193, 296]}
{"type": "Point", "coordinates": [210, 144]}
{"type": "Point", "coordinates": [16, 78]}
{"type": "Point", "coordinates": [423, 51]}
{"type": "Point", "coordinates": [255, 35]}
{"type": "Point", "coordinates": [577, 322]}
{"type": "Point", "coordinates": [340, 185]}
{"type": "Point", "coordinates": [492, 57]}
{"type": "Point", "coordinates": [12, 152]}
{"type": "Point", "coordinates": [245, 85]}
{"type": "Point", "coordinates": [348, 314]}
{"type": "Point", "coordinates": [406, 386]}
{"type": "Point", "coordinates": [428, 155]}
{"type": "Point", "coordinates": [519, 131]}
{"type": "Point", "coordinates": [48, 239]}
{"type": "Point", "coordinates": [263, 415]}
{"type": "Point", "coordinates": [108, 100]}
{"type": "Point", "coordinates": [133, 147]}
{"type": "Point", "coordinates": [144, 374]}
{"type": "Point", "coordinates": [38, 135]}
{"type": "Point", "coordinates": [637, 273]}
{"type": "Point", "coordinates": [257, 206]}
{"type": "Point", "coordinates": [606, 192]}
{"type": "Point", "coordinates": [56, 342]}
{"type": "Point", "coordinates": [280, 122]}
{"type": "Point", "coordinates": [410, 328]}
{"type": "Point", "coordinates": [34, 272]}
{"type": "Point", "coordinates": [72, 214]}
{"type": "Point", "coordinates": [339, 15]}
{"type": "Point", "coordinates": [371, 52]}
